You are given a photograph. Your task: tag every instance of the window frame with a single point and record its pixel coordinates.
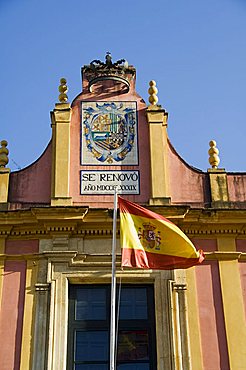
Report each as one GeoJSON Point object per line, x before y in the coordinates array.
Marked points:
{"type": "Point", "coordinates": [124, 325]}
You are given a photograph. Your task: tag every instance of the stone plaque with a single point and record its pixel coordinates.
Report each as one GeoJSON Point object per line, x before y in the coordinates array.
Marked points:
{"type": "Point", "coordinates": [105, 182]}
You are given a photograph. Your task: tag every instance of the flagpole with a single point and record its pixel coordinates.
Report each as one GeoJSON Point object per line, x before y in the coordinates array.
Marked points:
{"type": "Point", "coordinates": [113, 292]}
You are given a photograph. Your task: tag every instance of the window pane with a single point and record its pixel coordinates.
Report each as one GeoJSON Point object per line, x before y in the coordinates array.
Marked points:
{"type": "Point", "coordinates": [133, 303]}
{"type": "Point", "coordinates": [91, 346]}
{"type": "Point", "coordinates": [93, 367]}
{"type": "Point", "coordinates": [91, 304]}
{"type": "Point", "coordinates": [89, 317]}
{"type": "Point", "coordinates": [133, 367]}
{"type": "Point", "coordinates": [133, 345]}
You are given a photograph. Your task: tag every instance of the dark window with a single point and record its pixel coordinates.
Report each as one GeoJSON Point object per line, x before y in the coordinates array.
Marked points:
{"type": "Point", "coordinates": [89, 326]}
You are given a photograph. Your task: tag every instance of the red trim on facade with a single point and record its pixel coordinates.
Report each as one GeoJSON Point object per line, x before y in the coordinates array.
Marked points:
{"type": "Point", "coordinates": [147, 260]}
{"type": "Point", "coordinates": [11, 320]}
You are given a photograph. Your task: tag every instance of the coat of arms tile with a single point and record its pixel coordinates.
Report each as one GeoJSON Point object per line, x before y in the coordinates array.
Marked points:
{"type": "Point", "coordinates": [109, 133]}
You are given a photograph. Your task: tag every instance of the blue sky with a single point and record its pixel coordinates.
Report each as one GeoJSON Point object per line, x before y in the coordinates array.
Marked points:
{"type": "Point", "coordinates": [195, 50]}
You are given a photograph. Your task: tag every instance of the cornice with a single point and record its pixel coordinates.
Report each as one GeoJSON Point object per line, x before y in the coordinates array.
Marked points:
{"type": "Point", "coordinates": [75, 259]}
{"type": "Point", "coordinates": [86, 222]}
{"type": "Point", "coordinates": [225, 256]}
{"type": "Point", "coordinates": [214, 230]}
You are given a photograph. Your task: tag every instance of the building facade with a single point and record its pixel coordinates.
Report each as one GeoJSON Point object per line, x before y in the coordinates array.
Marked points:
{"type": "Point", "coordinates": [56, 237]}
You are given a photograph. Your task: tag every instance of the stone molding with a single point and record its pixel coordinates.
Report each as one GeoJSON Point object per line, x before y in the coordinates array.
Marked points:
{"type": "Point", "coordinates": [179, 321]}
{"type": "Point", "coordinates": [42, 287]}
{"type": "Point", "coordinates": [64, 267]}
{"type": "Point", "coordinates": [104, 260]}
{"type": "Point", "coordinates": [66, 222]}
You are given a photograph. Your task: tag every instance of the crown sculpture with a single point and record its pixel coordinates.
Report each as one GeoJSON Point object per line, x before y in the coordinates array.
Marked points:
{"type": "Point", "coordinates": [119, 71]}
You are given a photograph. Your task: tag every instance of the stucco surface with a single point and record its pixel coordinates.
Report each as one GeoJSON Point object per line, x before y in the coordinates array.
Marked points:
{"type": "Point", "coordinates": [207, 245]}
{"type": "Point", "coordinates": [242, 270]}
{"type": "Point", "coordinates": [12, 314]}
{"type": "Point", "coordinates": [33, 183]}
{"type": "Point", "coordinates": [213, 336]}
{"type": "Point", "coordinates": [187, 185]}
{"type": "Point", "coordinates": [21, 246]}
{"type": "Point", "coordinates": [236, 187]}
{"type": "Point", "coordinates": [241, 247]}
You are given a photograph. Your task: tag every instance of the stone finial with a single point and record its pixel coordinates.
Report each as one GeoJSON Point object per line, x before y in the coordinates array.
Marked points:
{"type": "Point", "coordinates": [4, 153]}
{"type": "Point", "coordinates": [213, 152]}
{"type": "Point", "coordinates": [153, 99]}
{"type": "Point", "coordinates": [63, 89]}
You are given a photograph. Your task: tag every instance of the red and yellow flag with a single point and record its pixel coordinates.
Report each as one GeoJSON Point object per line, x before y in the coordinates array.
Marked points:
{"type": "Point", "coordinates": [150, 241]}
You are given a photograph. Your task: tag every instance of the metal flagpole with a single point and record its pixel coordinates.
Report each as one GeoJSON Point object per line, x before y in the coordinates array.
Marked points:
{"type": "Point", "coordinates": [113, 292]}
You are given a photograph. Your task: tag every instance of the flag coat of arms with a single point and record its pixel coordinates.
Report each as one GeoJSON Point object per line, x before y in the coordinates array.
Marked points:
{"type": "Point", "coordinates": [150, 241]}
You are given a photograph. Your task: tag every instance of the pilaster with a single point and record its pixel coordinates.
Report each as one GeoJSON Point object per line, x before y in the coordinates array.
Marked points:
{"type": "Point", "coordinates": [162, 309]}
{"type": "Point", "coordinates": [28, 318]}
{"type": "Point", "coordinates": [42, 300]}
{"type": "Point", "coordinates": [233, 305]}
{"type": "Point", "coordinates": [218, 188]}
{"type": "Point", "coordinates": [41, 323]}
{"type": "Point", "coordinates": [157, 119]}
{"type": "Point", "coordinates": [4, 175]}
{"type": "Point", "coordinates": [180, 327]}
{"type": "Point", "coordinates": [193, 320]}
{"type": "Point", "coordinates": [218, 179]}
{"type": "Point", "coordinates": [60, 118]}
{"type": "Point", "coordinates": [4, 187]}
{"type": "Point", "coordinates": [2, 249]}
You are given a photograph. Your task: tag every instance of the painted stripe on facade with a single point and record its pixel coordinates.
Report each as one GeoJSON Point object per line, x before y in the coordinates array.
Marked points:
{"type": "Point", "coordinates": [242, 271]}
{"type": "Point", "coordinates": [241, 247]}
{"type": "Point", "coordinates": [2, 246]}
{"type": "Point", "coordinates": [193, 320]}
{"type": "Point", "coordinates": [233, 306]}
{"type": "Point", "coordinates": [29, 316]}
{"type": "Point", "coordinates": [11, 319]}
{"type": "Point", "coordinates": [213, 336]}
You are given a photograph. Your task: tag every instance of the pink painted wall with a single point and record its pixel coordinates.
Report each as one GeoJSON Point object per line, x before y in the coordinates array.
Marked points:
{"type": "Point", "coordinates": [211, 317]}
{"type": "Point", "coordinates": [237, 187]}
{"type": "Point", "coordinates": [207, 245]}
{"type": "Point", "coordinates": [241, 247]}
{"type": "Point", "coordinates": [242, 271]}
{"type": "Point", "coordinates": [21, 246]}
{"type": "Point", "coordinates": [187, 185]}
{"type": "Point", "coordinates": [33, 183]}
{"type": "Point", "coordinates": [109, 92]}
{"type": "Point", "coordinates": [12, 303]}
{"type": "Point", "coordinates": [11, 319]}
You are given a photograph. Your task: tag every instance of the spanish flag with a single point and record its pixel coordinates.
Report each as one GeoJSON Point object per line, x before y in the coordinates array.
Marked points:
{"type": "Point", "coordinates": [150, 241]}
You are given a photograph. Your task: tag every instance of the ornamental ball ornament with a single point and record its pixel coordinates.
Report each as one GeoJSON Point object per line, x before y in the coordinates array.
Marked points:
{"type": "Point", "coordinates": [153, 99]}
{"type": "Point", "coordinates": [213, 152]}
{"type": "Point", "coordinates": [4, 153]}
